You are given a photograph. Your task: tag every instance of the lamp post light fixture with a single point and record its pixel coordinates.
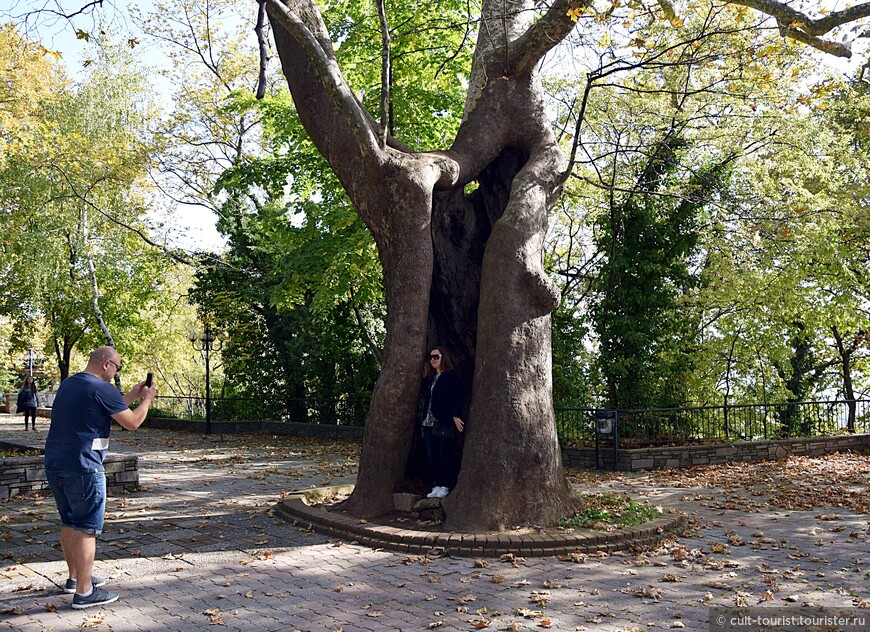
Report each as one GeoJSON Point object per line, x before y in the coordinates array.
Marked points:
{"type": "Point", "coordinates": [32, 359]}
{"type": "Point", "coordinates": [205, 342]}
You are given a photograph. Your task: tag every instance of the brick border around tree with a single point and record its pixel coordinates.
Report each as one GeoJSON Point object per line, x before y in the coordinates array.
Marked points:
{"type": "Point", "coordinates": [371, 534]}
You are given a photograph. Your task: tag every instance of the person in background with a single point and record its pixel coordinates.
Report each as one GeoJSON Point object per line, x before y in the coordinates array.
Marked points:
{"type": "Point", "coordinates": [442, 407]}
{"type": "Point", "coordinates": [28, 401]}
{"type": "Point", "coordinates": [77, 441]}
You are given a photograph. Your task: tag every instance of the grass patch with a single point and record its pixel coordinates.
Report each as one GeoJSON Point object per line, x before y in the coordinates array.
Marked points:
{"type": "Point", "coordinates": [610, 511]}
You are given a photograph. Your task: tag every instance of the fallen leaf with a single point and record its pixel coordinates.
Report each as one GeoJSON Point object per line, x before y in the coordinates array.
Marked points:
{"type": "Point", "coordinates": [93, 620]}
{"type": "Point", "coordinates": [11, 611]}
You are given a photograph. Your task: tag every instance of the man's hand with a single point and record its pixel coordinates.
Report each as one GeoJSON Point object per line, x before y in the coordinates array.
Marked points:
{"type": "Point", "coordinates": [132, 419]}
{"type": "Point", "coordinates": [140, 391]}
{"type": "Point", "coordinates": [460, 426]}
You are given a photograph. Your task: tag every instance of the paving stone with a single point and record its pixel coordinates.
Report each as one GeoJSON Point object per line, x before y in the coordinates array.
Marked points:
{"type": "Point", "coordinates": [228, 546]}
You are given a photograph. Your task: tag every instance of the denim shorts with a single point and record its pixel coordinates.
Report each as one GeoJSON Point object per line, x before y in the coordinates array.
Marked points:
{"type": "Point", "coordinates": [80, 498]}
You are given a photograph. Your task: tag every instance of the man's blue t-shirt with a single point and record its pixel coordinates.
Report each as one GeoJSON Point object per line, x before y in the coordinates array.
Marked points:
{"type": "Point", "coordinates": [81, 419]}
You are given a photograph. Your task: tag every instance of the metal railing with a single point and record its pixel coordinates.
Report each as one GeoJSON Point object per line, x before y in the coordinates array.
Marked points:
{"type": "Point", "coordinates": [574, 425]}
{"type": "Point", "coordinates": [342, 411]}
{"type": "Point", "coordinates": [741, 422]}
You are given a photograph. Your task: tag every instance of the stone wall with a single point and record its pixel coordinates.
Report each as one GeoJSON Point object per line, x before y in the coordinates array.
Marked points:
{"type": "Point", "coordinates": [584, 458]}
{"type": "Point", "coordinates": [46, 399]}
{"type": "Point", "coordinates": [25, 474]}
{"type": "Point", "coordinates": [688, 456]}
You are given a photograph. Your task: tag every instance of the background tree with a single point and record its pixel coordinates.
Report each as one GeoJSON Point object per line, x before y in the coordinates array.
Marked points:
{"type": "Point", "coordinates": [281, 283]}
{"type": "Point", "coordinates": [77, 262]}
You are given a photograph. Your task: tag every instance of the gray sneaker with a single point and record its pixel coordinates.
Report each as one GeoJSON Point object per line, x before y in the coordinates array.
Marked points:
{"type": "Point", "coordinates": [71, 584]}
{"type": "Point", "coordinates": [98, 597]}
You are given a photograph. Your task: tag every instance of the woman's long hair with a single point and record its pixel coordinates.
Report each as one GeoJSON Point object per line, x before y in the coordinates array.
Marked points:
{"type": "Point", "coordinates": [29, 384]}
{"type": "Point", "coordinates": [446, 364]}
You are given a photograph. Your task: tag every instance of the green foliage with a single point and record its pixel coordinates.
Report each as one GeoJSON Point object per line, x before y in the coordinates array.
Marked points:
{"type": "Point", "coordinates": [278, 349]}
{"type": "Point", "coordinates": [299, 261]}
{"type": "Point", "coordinates": [430, 58]}
{"type": "Point", "coordinates": [778, 242]}
{"type": "Point", "coordinates": [648, 240]}
{"type": "Point", "coordinates": [611, 511]}
{"type": "Point", "coordinates": [571, 380]}
{"type": "Point", "coordinates": [74, 192]}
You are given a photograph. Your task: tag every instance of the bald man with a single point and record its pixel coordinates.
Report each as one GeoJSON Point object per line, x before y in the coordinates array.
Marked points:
{"type": "Point", "coordinates": [78, 439]}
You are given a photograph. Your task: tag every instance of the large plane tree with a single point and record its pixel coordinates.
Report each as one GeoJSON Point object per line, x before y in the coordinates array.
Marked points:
{"type": "Point", "coordinates": [460, 232]}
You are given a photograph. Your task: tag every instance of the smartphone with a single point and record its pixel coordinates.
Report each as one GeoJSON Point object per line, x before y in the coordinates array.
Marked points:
{"type": "Point", "coordinates": [149, 378]}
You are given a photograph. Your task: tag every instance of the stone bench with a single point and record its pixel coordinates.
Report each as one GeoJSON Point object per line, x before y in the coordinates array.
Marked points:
{"type": "Point", "coordinates": [26, 474]}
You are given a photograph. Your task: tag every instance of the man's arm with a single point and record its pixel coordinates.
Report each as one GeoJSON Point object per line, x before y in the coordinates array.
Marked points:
{"type": "Point", "coordinates": [132, 419]}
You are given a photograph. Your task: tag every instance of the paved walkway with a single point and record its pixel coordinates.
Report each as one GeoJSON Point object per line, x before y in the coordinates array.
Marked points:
{"type": "Point", "coordinates": [200, 545]}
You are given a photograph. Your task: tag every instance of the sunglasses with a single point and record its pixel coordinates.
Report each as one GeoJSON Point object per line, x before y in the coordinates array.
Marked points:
{"type": "Point", "coordinates": [435, 356]}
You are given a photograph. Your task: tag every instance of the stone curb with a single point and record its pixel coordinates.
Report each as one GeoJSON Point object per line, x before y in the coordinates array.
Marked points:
{"type": "Point", "coordinates": [371, 534]}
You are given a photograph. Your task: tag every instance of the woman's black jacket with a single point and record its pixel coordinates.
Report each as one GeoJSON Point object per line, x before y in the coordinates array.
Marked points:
{"type": "Point", "coordinates": [446, 397]}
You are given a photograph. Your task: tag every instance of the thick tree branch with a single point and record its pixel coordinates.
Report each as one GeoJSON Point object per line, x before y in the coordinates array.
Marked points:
{"type": "Point", "coordinates": [781, 11]}
{"type": "Point", "coordinates": [801, 27]}
{"type": "Point", "coordinates": [328, 72]}
{"type": "Point", "coordinates": [826, 46]}
{"type": "Point", "coordinates": [527, 50]}
{"type": "Point", "coordinates": [264, 49]}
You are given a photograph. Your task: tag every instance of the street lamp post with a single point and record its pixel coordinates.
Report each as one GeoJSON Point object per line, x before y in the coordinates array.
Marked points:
{"type": "Point", "coordinates": [30, 360]}
{"type": "Point", "coordinates": [205, 342]}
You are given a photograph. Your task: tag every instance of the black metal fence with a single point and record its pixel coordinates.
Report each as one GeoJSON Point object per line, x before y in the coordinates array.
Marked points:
{"type": "Point", "coordinates": [342, 412]}
{"type": "Point", "coordinates": [574, 425]}
{"type": "Point", "coordinates": [743, 422]}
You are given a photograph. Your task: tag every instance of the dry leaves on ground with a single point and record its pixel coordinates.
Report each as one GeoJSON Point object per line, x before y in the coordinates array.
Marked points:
{"type": "Point", "coordinates": [796, 483]}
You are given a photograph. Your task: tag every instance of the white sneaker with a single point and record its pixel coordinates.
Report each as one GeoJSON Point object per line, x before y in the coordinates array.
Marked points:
{"type": "Point", "coordinates": [442, 492]}
{"type": "Point", "coordinates": [434, 493]}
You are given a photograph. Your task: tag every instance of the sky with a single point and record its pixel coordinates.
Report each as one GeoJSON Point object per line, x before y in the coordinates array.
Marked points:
{"type": "Point", "coordinates": [194, 226]}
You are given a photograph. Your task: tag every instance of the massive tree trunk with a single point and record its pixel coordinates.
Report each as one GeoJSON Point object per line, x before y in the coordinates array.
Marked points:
{"type": "Point", "coordinates": [461, 270]}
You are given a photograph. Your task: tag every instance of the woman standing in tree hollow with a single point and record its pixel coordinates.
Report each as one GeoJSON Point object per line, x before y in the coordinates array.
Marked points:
{"type": "Point", "coordinates": [442, 407]}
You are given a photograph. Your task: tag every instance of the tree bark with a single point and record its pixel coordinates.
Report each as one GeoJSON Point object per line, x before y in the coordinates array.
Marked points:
{"type": "Point", "coordinates": [461, 270]}
{"type": "Point", "coordinates": [511, 430]}
{"type": "Point", "coordinates": [392, 193]}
